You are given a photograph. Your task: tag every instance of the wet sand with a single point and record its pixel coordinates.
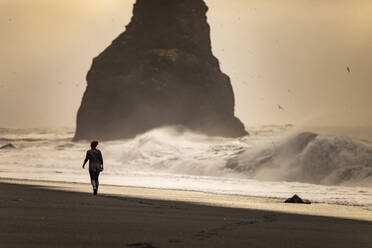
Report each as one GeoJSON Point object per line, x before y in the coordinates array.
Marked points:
{"type": "Point", "coordinates": [49, 214]}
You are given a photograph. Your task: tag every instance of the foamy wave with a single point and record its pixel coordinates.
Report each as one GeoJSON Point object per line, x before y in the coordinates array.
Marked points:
{"type": "Point", "coordinates": [166, 150]}
{"type": "Point", "coordinates": [307, 157]}
{"type": "Point", "coordinates": [310, 158]}
{"type": "Point", "coordinates": [271, 162]}
{"type": "Point", "coordinates": [34, 134]}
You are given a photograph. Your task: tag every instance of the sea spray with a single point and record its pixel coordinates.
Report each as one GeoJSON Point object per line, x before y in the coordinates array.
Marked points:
{"type": "Point", "coordinates": [310, 158]}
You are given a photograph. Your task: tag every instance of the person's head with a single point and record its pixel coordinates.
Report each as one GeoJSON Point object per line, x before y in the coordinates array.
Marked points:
{"type": "Point", "coordinates": [93, 144]}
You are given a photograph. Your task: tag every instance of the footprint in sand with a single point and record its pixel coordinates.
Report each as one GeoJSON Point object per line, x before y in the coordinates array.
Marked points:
{"type": "Point", "coordinates": [141, 245]}
{"type": "Point", "coordinates": [174, 241]}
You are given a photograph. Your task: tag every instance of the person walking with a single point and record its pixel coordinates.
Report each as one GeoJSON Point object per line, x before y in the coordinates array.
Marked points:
{"type": "Point", "coordinates": [95, 164]}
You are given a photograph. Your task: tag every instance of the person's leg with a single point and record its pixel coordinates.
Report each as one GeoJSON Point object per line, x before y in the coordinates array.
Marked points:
{"type": "Point", "coordinates": [92, 178]}
{"type": "Point", "coordinates": [97, 182]}
{"type": "Point", "coordinates": [93, 181]}
{"type": "Point", "coordinates": [96, 175]}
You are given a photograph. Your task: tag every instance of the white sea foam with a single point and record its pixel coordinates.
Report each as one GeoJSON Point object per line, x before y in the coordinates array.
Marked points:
{"type": "Point", "coordinates": [274, 161]}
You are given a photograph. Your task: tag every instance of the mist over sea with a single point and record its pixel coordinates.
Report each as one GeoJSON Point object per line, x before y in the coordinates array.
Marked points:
{"type": "Point", "coordinates": [320, 164]}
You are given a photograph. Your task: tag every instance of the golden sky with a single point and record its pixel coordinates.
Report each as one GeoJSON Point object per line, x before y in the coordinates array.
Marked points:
{"type": "Point", "coordinates": [288, 52]}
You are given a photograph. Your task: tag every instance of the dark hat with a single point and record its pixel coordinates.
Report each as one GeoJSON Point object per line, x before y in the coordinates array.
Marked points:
{"type": "Point", "coordinates": [94, 144]}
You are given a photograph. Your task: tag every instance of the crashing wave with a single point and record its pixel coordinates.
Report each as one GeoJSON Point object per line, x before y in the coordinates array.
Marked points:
{"type": "Point", "coordinates": [268, 154]}
{"type": "Point", "coordinates": [306, 157]}
{"type": "Point", "coordinates": [309, 158]}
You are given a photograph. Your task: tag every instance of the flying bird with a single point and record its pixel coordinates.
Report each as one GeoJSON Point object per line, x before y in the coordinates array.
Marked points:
{"type": "Point", "coordinates": [280, 107]}
{"type": "Point", "coordinates": [348, 69]}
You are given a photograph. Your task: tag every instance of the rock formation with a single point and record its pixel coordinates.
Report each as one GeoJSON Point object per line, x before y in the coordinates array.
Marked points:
{"type": "Point", "coordinates": [297, 199]}
{"type": "Point", "coordinates": [159, 72]}
{"type": "Point", "coordinates": [7, 146]}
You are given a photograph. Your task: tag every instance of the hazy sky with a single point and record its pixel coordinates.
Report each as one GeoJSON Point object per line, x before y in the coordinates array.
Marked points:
{"type": "Point", "coordinates": [288, 52]}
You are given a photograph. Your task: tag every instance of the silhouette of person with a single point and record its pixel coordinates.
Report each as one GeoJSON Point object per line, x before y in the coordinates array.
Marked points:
{"type": "Point", "coordinates": [95, 165]}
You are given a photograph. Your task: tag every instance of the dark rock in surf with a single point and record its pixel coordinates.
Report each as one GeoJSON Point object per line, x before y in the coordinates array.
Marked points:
{"type": "Point", "coordinates": [8, 146]}
{"type": "Point", "coordinates": [297, 199]}
{"type": "Point", "coordinates": [159, 72]}
{"type": "Point", "coordinates": [64, 146]}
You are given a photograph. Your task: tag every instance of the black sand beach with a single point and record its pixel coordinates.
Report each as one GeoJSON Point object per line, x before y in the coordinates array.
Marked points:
{"type": "Point", "coordinates": [35, 216]}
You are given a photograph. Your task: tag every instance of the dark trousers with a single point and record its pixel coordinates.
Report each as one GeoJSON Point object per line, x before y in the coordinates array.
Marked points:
{"type": "Point", "coordinates": [94, 178]}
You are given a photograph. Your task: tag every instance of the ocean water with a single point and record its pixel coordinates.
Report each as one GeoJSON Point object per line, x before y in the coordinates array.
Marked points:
{"type": "Point", "coordinates": [273, 161]}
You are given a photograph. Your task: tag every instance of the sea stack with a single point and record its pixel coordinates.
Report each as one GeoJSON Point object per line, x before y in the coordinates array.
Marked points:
{"type": "Point", "coordinates": [159, 72]}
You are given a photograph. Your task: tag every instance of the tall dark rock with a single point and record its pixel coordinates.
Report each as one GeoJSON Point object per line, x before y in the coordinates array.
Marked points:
{"type": "Point", "coordinates": [159, 72]}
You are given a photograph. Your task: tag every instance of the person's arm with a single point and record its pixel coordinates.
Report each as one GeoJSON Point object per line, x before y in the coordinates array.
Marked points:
{"type": "Point", "coordinates": [85, 160]}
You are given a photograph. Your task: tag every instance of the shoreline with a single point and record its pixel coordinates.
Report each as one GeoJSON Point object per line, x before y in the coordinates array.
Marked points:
{"type": "Point", "coordinates": [207, 199]}
{"type": "Point", "coordinates": [47, 215]}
